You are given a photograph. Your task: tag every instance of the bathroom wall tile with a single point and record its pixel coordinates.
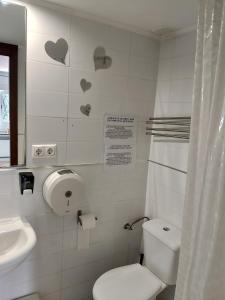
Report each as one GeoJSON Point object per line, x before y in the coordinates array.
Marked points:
{"type": "Point", "coordinates": [143, 46]}
{"type": "Point", "coordinates": [70, 239]}
{"type": "Point", "coordinates": [46, 129]}
{"type": "Point", "coordinates": [87, 272]}
{"type": "Point", "coordinates": [36, 48]}
{"type": "Point", "coordinates": [46, 77]}
{"type": "Point", "coordinates": [46, 224]}
{"type": "Point", "coordinates": [118, 39]}
{"type": "Point", "coordinates": [75, 77]}
{"type": "Point", "coordinates": [9, 205]}
{"type": "Point", "coordinates": [120, 259]}
{"type": "Point", "coordinates": [119, 62]}
{"type": "Point", "coordinates": [141, 67]}
{"type": "Point", "coordinates": [165, 69]}
{"type": "Point", "coordinates": [47, 104]}
{"type": "Point", "coordinates": [163, 91]}
{"type": "Point", "coordinates": [111, 84]}
{"type": "Point", "coordinates": [7, 178]}
{"type": "Point", "coordinates": [30, 204]}
{"type": "Point", "coordinates": [185, 44]}
{"type": "Point", "coordinates": [82, 51]}
{"type": "Point", "coordinates": [181, 90]}
{"type": "Point", "coordinates": [163, 109]}
{"type": "Point", "coordinates": [47, 21]}
{"type": "Point", "coordinates": [182, 67]}
{"type": "Point", "coordinates": [104, 213]}
{"type": "Point", "coordinates": [137, 87]}
{"type": "Point", "coordinates": [70, 223]}
{"type": "Point", "coordinates": [86, 130]}
{"type": "Point", "coordinates": [73, 259]}
{"type": "Point", "coordinates": [81, 57]}
{"type": "Point", "coordinates": [102, 233]}
{"type": "Point", "coordinates": [143, 141]}
{"type": "Point", "coordinates": [100, 104]}
{"type": "Point", "coordinates": [140, 108]}
{"type": "Point", "coordinates": [47, 245]}
{"type": "Point", "coordinates": [167, 48]}
{"type": "Point", "coordinates": [85, 30]}
{"type": "Point", "coordinates": [80, 291]}
{"type": "Point", "coordinates": [79, 152]}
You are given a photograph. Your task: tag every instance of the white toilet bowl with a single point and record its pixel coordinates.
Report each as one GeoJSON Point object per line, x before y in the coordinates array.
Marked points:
{"type": "Point", "coordinates": [137, 282]}
{"type": "Point", "coordinates": [132, 282]}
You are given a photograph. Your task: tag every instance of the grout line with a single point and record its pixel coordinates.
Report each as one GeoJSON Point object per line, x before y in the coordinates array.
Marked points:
{"type": "Point", "coordinates": [166, 166]}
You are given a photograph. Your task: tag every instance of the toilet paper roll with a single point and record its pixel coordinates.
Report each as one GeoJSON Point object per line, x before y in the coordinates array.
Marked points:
{"type": "Point", "coordinates": [88, 222]}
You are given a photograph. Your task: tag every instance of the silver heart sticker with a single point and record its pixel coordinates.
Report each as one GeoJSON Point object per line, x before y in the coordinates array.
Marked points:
{"type": "Point", "coordinates": [85, 109]}
{"type": "Point", "coordinates": [85, 85]}
{"type": "Point", "coordinates": [58, 50]}
{"type": "Point", "coordinates": [101, 60]}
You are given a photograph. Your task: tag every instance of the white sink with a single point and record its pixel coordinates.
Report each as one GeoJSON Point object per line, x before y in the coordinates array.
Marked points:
{"type": "Point", "coordinates": [17, 238]}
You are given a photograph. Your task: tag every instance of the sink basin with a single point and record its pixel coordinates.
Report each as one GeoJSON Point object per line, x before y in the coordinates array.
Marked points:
{"type": "Point", "coordinates": [17, 238]}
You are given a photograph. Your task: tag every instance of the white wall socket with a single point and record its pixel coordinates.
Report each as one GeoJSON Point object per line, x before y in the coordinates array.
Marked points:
{"type": "Point", "coordinates": [38, 151]}
{"type": "Point", "coordinates": [44, 151]}
{"type": "Point", "coordinates": [50, 150]}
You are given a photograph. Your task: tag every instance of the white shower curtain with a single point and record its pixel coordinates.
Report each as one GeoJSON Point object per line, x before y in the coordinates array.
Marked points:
{"type": "Point", "coordinates": [201, 274]}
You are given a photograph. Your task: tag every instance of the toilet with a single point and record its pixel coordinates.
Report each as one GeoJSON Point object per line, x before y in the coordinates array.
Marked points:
{"type": "Point", "coordinates": [137, 282]}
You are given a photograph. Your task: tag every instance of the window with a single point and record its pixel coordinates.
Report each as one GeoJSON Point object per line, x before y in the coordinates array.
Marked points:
{"type": "Point", "coordinates": [8, 105]}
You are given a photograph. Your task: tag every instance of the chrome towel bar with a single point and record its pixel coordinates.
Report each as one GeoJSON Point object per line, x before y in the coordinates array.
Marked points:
{"type": "Point", "coordinates": [173, 127]}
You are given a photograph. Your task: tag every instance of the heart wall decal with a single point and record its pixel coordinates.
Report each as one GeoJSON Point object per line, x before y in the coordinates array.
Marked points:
{"type": "Point", "coordinates": [85, 85]}
{"type": "Point", "coordinates": [85, 109]}
{"type": "Point", "coordinates": [58, 50]}
{"type": "Point", "coordinates": [101, 60]}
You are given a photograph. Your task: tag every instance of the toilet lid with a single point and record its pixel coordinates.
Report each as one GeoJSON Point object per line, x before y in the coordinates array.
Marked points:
{"type": "Point", "coordinates": [133, 282]}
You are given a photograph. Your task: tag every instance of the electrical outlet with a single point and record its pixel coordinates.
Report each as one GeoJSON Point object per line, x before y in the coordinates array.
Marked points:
{"type": "Point", "coordinates": [38, 151]}
{"type": "Point", "coordinates": [50, 151]}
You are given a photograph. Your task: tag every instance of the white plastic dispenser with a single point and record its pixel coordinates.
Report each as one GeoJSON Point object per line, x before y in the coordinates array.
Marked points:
{"type": "Point", "coordinates": [63, 190]}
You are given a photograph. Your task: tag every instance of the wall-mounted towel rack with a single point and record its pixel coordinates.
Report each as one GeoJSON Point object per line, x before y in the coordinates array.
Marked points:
{"type": "Point", "coordinates": [169, 127]}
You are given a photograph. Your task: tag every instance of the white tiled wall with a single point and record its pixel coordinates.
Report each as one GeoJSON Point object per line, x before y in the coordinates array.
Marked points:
{"type": "Point", "coordinates": [166, 187]}
{"type": "Point", "coordinates": [55, 268]}
{"type": "Point", "coordinates": [55, 96]}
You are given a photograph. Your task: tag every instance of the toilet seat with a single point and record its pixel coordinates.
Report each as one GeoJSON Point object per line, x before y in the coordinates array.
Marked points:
{"type": "Point", "coordinates": [132, 282]}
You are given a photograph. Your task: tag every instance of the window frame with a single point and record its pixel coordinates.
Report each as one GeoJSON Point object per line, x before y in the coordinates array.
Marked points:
{"type": "Point", "coordinates": [12, 52]}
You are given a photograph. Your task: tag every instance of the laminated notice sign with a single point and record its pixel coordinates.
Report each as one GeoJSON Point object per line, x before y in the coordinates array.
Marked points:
{"type": "Point", "coordinates": [119, 140]}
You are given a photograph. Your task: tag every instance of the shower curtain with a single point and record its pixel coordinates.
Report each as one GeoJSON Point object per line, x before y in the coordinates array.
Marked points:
{"type": "Point", "coordinates": [201, 274]}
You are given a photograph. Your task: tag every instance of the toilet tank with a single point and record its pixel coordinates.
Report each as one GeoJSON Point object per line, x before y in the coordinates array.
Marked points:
{"type": "Point", "coordinates": [161, 249]}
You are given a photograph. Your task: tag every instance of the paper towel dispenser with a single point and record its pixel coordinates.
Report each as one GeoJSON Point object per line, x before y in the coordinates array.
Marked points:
{"type": "Point", "coordinates": [63, 190]}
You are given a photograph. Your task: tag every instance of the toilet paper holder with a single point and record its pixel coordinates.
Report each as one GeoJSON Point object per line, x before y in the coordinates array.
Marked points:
{"type": "Point", "coordinates": [79, 214]}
